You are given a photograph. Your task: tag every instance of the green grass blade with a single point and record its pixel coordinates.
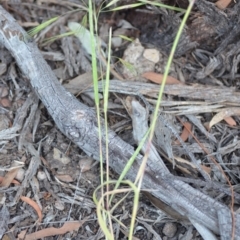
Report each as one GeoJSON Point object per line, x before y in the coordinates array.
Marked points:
{"type": "Point", "coordinates": [42, 26]}
{"type": "Point", "coordinates": [127, 6]}
{"type": "Point", "coordinates": [162, 5]}
{"type": "Point", "coordinates": [169, 62]}
{"type": "Point", "coordinates": [95, 82]}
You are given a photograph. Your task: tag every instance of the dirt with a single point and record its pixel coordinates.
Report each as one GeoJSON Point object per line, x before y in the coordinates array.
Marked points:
{"type": "Point", "coordinates": [58, 176]}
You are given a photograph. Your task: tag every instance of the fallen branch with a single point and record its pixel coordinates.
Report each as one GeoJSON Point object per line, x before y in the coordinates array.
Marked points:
{"type": "Point", "coordinates": [78, 123]}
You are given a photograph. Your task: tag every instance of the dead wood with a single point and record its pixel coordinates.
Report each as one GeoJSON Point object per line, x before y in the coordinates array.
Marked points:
{"type": "Point", "coordinates": [78, 123]}
{"type": "Point", "coordinates": [210, 94]}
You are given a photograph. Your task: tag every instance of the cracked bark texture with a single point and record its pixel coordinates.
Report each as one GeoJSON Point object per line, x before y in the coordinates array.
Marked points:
{"type": "Point", "coordinates": [78, 123]}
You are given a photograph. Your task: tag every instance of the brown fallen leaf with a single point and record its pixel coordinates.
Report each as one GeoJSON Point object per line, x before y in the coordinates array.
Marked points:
{"type": "Point", "coordinates": [21, 235]}
{"type": "Point", "coordinates": [185, 133]}
{"type": "Point", "coordinates": [9, 178]}
{"type": "Point", "coordinates": [206, 125]}
{"type": "Point", "coordinates": [206, 169]}
{"type": "Point", "coordinates": [52, 231]}
{"type": "Point", "coordinates": [34, 205]}
{"type": "Point", "coordinates": [5, 102]}
{"type": "Point", "coordinates": [13, 181]}
{"type": "Point", "coordinates": [187, 164]}
{"type": "Point", "coordinates": [80, 82]}
{"type": "Point", "coordinates": [85, 164]}
{"type": "Point", "coordinates": [225, 113]}
{"type": "Point", "coordinates": [157, 78]}
{"type": "Point", "coordinates": [64, 177]}
{"type": "Point", "coordinates": [230, 121]}
{"type": "Point", "coordinates": [222, 4]}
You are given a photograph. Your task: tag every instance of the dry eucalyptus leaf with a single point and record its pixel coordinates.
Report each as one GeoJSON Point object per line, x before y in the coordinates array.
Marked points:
{"type": "Point", "coordinates": [64, 178]}
{"type": "Point", "coordinates": [225, 113]}
{"type": "Point", "coordinates": [5, 102]}
{"type": "Point", "coordinates": [22, 234]}
{"type": "Point", "coordinates": [185, 133]}
{"type": "Point", "coordinates": [158, 78]}
{"type": "Point", "coordinates": [52, 231]}
{"type": "Point", "coordinates": [185, 165]}
{"type": "Point", "coordinates": [34, 205]}
{"type": "Point", "coordinates": [184, 161]}
{"type": "Point", "coordinates": [222, 4]}
{"type": "Point", "coordinates": [76, 84]}
{"type": "Point", "coordinates": [8, 178]}
{"type": "Point", "coordinates": [13, 181]}
{"type": "Point", "coordinates": [85, 164]}
{"type": "Point", "coordinates": [230, 121]}
{"type": "Point", "coordinates": [206, 169]}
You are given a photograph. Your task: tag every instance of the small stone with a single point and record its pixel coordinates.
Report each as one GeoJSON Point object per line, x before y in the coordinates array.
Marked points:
{"type": "Point", "coordinates": [41, 175]}
{"type": "Point", "coordinates": [169, 229]}
{"type": "Point", "coordinates": [20, 175]}
{"type": "Point", "coordinates": [58, 155]}
{"type": "Point", "coordinates": [59, 205]}
{"type": "Point", "coordinates": [2, 198]}
{"type": "Point", "coordinates": [152, 55]}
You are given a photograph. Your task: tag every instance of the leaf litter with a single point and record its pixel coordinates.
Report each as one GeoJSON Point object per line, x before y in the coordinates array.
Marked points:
{"type": "Point", "coordinates": [207, 59]}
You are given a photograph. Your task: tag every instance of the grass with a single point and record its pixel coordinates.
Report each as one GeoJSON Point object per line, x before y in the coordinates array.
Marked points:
{"type": "Point", "coordinates": [105, 215]}
{"type": "Point", "coordinates": [104, 203]}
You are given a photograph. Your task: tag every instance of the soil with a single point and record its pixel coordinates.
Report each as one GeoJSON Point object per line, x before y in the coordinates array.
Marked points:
{"type": "Point", "coordinates": [63, 179]}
